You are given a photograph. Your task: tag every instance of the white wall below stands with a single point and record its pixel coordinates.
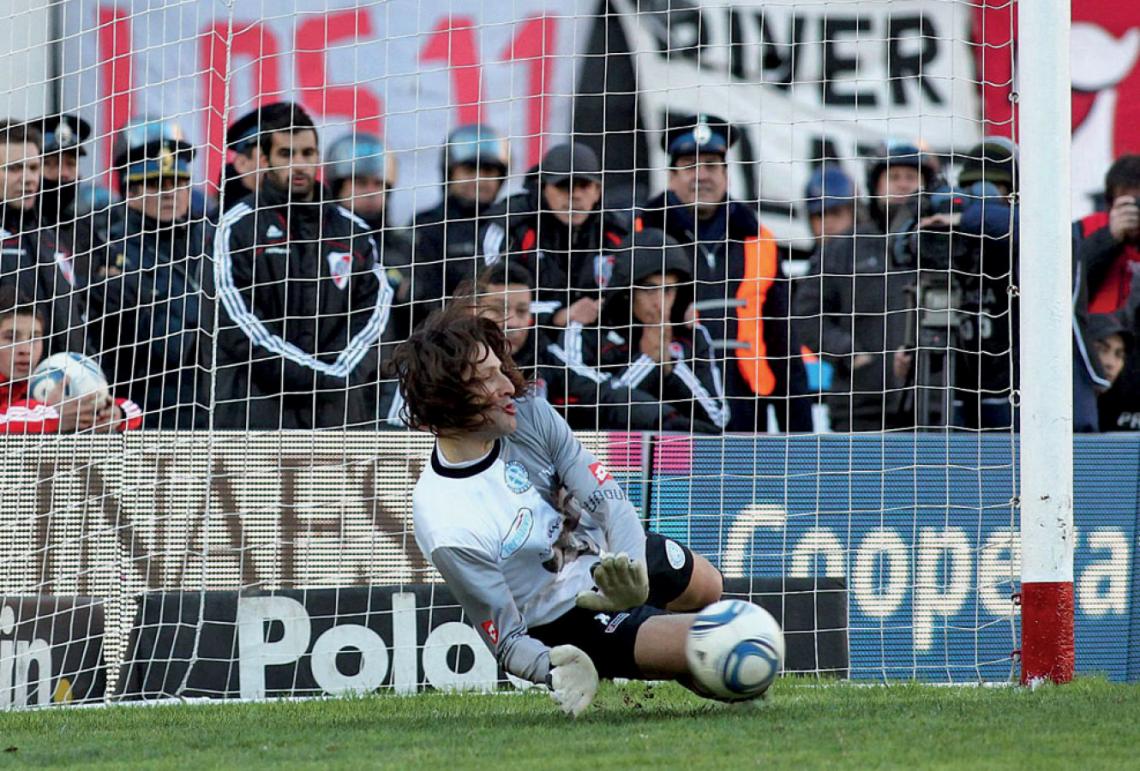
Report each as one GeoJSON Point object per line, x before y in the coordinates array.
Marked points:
{"type": "Point", "coordinates": [24, 57]}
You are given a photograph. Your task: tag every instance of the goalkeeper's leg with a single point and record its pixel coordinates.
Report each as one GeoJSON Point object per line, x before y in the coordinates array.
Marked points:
{"type": "Point", "coordinates": [679, 580]}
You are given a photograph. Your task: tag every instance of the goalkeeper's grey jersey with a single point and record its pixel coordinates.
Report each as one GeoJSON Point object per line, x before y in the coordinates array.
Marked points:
{"type": "Point", "coordinates": [495, 531]}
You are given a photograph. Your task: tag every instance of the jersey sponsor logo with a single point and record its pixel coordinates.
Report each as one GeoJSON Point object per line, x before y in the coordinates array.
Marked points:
{"type": "Point", "coordinates": [517, 535]}
{"type": "Point", "coordinates": [601, 476]}
{"type": "Point", "coordinates": [616, 622]}
{"type": "Point", "coordinates": [675, 554]}
{"type": "Point", "coordinates": [517, 477]}
{"type": "Point", "coordinates": [491, 631]}
{"type": "Point", "coordinates": [340, 264]}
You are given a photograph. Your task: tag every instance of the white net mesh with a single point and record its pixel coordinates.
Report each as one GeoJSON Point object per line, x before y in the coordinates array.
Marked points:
{"type": "Point", "coordinates": [823, 406]}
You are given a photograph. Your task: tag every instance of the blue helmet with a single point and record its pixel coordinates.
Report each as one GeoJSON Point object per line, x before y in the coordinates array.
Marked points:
{"type": "Point", "coordinates": [895, 153]}
{"type": "Point", "coordinates": [827, 189]}
{"type": "Point", "coordinates": [476, 145]}
{"type": "Point", "coordinates": [359, 155]}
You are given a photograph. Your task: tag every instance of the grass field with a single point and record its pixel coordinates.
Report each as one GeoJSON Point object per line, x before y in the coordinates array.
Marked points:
{"type": "Point", "coordinates": [1089, 724]}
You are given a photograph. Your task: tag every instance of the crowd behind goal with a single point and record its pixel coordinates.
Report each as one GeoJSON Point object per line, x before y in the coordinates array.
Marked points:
{"type": "Point", "coordinates": [275, 304]}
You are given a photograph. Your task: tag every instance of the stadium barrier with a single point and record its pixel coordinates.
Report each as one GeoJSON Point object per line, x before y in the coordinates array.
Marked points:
{"type": "Point", "coordinates": [916, 533]}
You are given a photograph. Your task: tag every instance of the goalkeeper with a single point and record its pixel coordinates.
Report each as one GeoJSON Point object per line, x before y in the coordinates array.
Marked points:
{"type": "Point", "coordinates": [531, 533]}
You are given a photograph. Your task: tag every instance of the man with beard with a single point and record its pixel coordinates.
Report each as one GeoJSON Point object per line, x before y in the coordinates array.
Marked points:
{"type": "Point", "coordinates": [740, 295]}
{"type": "Point", "coordinates": [146, 314]}
{"type": "Point", "coordinates": [30, 259]}
{"type": "Point", "coordinates": [303, 298]}
{"type": "Point", "coordinates": [475, 165]}
{"type": "Point", "coordinates": [559, 230]}
{"type": "Point", "coordinates": [360, 174]}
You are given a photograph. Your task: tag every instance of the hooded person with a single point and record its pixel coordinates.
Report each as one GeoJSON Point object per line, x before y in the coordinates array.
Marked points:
{"type": "Point", "coordinates": [558, 229]}
{"type": "Point", "coordinates": [1113, 344]}
{"type": "Point", "coordinates": [643, 341]}
{"type": "Point", "coordinates": [474, 164]}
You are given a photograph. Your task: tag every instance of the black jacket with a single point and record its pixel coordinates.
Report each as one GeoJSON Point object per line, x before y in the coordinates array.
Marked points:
{"type": "Point", "coordinates": [565, 262]}
{"type": "Point", "coordinates": [854, 301]}
{"type": "Point", "coordinates": [742, 299]}
{"type": "Point", "coordinates": [446, 253]}
{"type": "Point", "coordinates": [690, 381]}
{"type": "Point", "coordinates": [42, 271]}
{"type": "Point", "coordinates": [302, 303]}
{"type": "Point", "coordinates": [147, 318]}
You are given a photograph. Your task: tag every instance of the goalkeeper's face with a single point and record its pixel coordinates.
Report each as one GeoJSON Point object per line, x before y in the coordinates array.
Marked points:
{"type": "Point", "coordinates": [495, 390]}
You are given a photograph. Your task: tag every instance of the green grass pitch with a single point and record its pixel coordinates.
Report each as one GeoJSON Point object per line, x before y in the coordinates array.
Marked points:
{"type": "Point", "coordinates": [1088, 724]}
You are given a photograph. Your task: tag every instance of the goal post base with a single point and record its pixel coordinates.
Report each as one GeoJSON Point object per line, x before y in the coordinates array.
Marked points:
{"type": "Point", "coordinates": [1047, 651]}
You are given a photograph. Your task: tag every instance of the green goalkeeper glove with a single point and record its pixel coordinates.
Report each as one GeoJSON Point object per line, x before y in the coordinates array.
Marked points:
{"type": "Point", "coordinates": [573, 679]}
{"type": "Point", "coordinates": [622, 583]}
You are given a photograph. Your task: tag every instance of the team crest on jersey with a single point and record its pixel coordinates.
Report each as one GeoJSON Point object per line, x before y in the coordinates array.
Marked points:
{"type": "Point", "coordinates": [601, 476]}
{"type": "Point", "coordinates": [603, 269]}
{"type": "Point", "coordinates": [340, 264]}
{"type": "Point", "coordinates": [517, 535]}
{"type": "Point", "coordinates": [517, 477]}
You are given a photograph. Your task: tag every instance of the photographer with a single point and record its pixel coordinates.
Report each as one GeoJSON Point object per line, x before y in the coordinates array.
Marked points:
{"type": "Point", "coordinates": [963, 245]}
{"type": "Point", "coordinates": [853, 304]}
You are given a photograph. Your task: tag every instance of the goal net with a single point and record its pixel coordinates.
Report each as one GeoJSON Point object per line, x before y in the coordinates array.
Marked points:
{"type": "Point", "coordinates": [824, 407]}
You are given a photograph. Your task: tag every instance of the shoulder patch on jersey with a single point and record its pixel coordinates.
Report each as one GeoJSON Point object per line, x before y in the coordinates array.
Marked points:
{"type": "Point", "coordinates": [601, 476]}
{"type": "Point", "coordinates": [517, 535]}
{"type": "Point", "coordinates": [516, 476]}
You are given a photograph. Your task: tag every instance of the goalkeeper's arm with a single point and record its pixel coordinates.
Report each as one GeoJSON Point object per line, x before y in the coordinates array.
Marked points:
{"type": "Point", "coordinates": [476, 582]}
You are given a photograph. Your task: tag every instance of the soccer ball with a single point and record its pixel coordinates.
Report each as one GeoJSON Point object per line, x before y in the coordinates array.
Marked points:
{"type": "Point", "coordinates": [82, 374]}
{"type": "Point", "coordinates": [735, 650]}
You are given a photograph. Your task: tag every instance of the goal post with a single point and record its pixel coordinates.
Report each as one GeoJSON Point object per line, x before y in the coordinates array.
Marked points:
{"type": "Point", "coordinates": [1046, 442]}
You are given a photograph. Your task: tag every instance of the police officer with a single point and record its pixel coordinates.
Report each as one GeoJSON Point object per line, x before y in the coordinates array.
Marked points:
{"type": "Point", "coordinates": [475, 163]}
{"type": "Point", "coordinates": [361, 173]}
{"type": "Point", "coordinates": [146, 315]}
{"type": "Point", "coordinates": [740, 296]}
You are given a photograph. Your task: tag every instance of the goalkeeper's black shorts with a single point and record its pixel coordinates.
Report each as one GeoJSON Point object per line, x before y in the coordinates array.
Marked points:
{"type": "Point", "coordinates": [609, 638]}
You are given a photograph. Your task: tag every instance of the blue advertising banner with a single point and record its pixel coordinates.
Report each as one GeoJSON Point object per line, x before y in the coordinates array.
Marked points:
{"type": "Point", "coordinates": [924, 529]}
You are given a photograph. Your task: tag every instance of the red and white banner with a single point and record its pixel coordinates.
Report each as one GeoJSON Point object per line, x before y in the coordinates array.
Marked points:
{"type": "Point", "coordinates": [409, 70]}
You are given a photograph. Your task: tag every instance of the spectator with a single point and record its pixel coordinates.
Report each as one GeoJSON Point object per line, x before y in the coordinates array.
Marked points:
{"type": "Point", "coordinates": [561, 234]}
{"type": "Point", "coordinates": [77, 228]}
{"type": "Point", "coordinates": [644, 342]}
{"type": "Point", "coordinates": [303, 300]}
{"type": "Point", "coordinates": [475, 165]}
{"type": "Point", "coordinates": [894, 179]}
{"type": "Point", "coordinates": [829, 201]}
{"type": "Point", "coordinates": [741, 297]}
{"type": "Point", "coordinates": [1113, 344]}
{"type": "Point", "coordinates": [146, 314]}
{"type": "Point", "coordinates": [242, 174]}
{"type": "Point", "coordinates": [1106, 255]}
{"type": "Point", "coordinates": [360, 173]}
{"type": "Point", "coordinates": [30, 259]}
{"type": "Point", "coordinates": [851, 307]}
{"type": "Point", "coordinates": [21, 349]}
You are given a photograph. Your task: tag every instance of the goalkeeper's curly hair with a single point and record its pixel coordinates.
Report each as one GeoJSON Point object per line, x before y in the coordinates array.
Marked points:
{"type": "Point", "coordinates": [434, 367]}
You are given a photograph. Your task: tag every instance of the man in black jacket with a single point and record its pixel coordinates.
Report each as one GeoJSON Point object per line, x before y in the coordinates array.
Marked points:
{"type": "Point", "coordinates": [741, 295]}
{"type": "Point", "coordinates": [474, 167]}
{"type": "Point", "coordinates": [301, 293]}
{"type": "Point", "coordinates": [146, 313]}
{"type": "Point", "coordinates": [30, 259]}
{"type": "Point", "coordinates": [559, 230]}
{"type": "Point", "coordinates": [645, 345]}
{"type": "Point", "coordinates": [360, 174]}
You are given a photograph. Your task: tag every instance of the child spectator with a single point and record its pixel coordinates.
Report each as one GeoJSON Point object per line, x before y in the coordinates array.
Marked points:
{"type": "Point", "coordinates": [21, 349]}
